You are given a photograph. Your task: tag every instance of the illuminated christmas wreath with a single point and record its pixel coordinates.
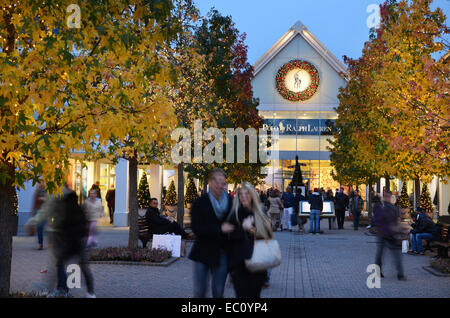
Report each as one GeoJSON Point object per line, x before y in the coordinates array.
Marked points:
{"type": "Point", "coordinates": [288, 94]}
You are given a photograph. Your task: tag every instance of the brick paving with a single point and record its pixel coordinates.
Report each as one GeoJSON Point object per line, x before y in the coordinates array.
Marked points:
{"type": "Point", "coordinates": [321, 266]}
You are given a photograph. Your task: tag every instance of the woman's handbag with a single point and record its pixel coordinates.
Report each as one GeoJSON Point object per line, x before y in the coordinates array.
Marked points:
{"type": "Point", "coordinates": [266, 254]}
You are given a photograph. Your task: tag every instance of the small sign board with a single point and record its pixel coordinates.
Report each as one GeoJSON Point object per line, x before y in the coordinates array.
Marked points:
{"type": "Point", "coordinates": [327, 211]}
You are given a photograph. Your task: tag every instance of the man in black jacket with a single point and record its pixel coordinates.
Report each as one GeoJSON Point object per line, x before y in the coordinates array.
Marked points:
{"type": "Point", "coordinates": [424, 229]}
{"type": "Point", "coordinates": [161, 225]}
{"type": "Point", "coordinates": [316, 207]}
{"type": "Point", "coordinates": [340, 206]}
{"type": "Point", "coordinates": [208, 216]}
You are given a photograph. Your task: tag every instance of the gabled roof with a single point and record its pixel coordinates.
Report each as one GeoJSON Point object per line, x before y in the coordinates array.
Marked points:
{"type": "Point", "coordinates": [299, 29]}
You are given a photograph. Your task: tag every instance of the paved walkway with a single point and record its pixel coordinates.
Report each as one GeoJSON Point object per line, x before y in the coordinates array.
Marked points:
{"type": "Point", "coordinates": [328, 265]}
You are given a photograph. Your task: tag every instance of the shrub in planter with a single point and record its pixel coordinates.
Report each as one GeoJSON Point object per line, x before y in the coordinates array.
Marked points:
{"type": "Point", "coordinates": [130, 255]}
{"type": "Point", "coordinates": [442, 265]}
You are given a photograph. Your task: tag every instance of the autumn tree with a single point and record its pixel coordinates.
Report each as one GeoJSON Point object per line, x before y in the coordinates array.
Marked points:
{"type": "Point", "coordinates": [64, 89]}
{"type": "Point", "coordinates": [393, 117]}
{"type": "Point", "coordinates": [231, 97]}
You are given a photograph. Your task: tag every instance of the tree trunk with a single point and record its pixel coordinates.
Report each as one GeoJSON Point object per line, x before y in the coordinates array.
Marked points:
{"type": "Point", "coordinates": [133, 236]}
{"type": "Point", "coordinates": [180, 204]}
{"type": "Point", "coordinates": [369, 201]}
{"type": "Point", "coordinates": [416, 193]}
{"type": "Point", "coordinates": [6, 220]}
{"type": "Point", "coordinates": [205, 185]}
{"type": "Point", "coordinates": [388, 182]}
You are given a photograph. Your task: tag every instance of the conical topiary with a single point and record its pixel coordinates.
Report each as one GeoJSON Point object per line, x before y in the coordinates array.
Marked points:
{"type": "Point", "coordinates": [191, 192]}
{"type": "Point", "coordinates": [171, 195]}
{"type": "Point", "coordinates": [143, 194]}
{"type": "Point", "coordinates": [425, 199]}
{"type": "Point", "coordinates": [403, 200]}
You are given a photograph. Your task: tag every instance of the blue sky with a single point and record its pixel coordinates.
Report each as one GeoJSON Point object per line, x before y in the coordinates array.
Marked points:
{"type": "Point", "coordinates": [341, 25]}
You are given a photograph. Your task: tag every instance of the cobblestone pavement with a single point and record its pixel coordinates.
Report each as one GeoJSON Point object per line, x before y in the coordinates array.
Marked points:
{"type": "Point", "coordinates": [329, 265]}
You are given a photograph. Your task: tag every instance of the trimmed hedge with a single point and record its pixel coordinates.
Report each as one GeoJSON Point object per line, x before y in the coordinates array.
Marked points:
{"type": "Point", "coordinates": [132, 255]}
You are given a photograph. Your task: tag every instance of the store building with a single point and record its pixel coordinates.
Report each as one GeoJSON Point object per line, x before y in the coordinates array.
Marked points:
{"type": "Point", "coordinates": [297, 82]}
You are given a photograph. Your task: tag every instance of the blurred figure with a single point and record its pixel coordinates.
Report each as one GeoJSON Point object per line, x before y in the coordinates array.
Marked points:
{"type": "Point", "coordinates": [301, 220]}
{"type": "Point", "coordinates": [161, 225]}
{"type": "Point", "coordinates": [249, 223]}
{"type": "Point", "coordinates": [288, 202]}
{"type": "Point", "coordinates": [275, 208]}
{"type": "Point", "coordinates": [316, 207]}
{"type": "Point", "coordinates": [93, 209]}
{"type": "Point", "coordinates": [386, 223]}
{"type": "Point", "coordinates": [111, 200]}
{"type": "Point", "coordinates": [67, 228]}
{"type": "Point", "coordinates": [38, 199]}
{"type": "Point", "coordinates": [209, 252]}
{"type": "Point", "coordinates": [341, 204]}
{"type": "Point", "coordinates": [356, 207]}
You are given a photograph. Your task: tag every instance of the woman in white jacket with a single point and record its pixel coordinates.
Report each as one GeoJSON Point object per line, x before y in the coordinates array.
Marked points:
{"type": "Point", "coordinates": [94, 210]}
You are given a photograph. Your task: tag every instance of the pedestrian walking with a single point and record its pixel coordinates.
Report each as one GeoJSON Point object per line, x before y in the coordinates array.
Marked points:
{"type": "Point", "coordinates": [275, 208]}
{"type": "Point", "coordinates": [288, 200]}
{"type": "Point", "coordinates": [387, 226]}
{"type": "Point", "coordinates": [93, 209]}
{"type": "Point", "coordinates": [356, 207]}
{"type": "Point", "coordinates": [67, 228]}
{"type": "Point", "coordinates": [209, 251]}
{"type": "Point", "coordinates": [111, 201]}
{"type": "Point", "coordinates": [316, 207]}
{"type": "Point", "coordinates": [96, 187]}
{"type": "Point", "coordinates": [249, 223]}
{"type": "Point", "coordinates": [341, 205]}
{"type": "Point", "coordinates": [38, 200]}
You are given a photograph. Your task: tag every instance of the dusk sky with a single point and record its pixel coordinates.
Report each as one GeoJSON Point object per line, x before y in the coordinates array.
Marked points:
{"type": "Point", "coordinates": [341, 25]}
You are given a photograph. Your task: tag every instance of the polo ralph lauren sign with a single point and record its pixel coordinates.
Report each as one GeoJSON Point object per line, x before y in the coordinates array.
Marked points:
{"type": "Point", "coordinates": [300, 126]}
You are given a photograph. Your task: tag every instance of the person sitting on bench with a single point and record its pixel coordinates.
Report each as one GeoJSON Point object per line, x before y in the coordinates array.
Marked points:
{"type": "Point", "coordinates": [162, 225]}
{"type": "Point", "coordinates": [423, 229]}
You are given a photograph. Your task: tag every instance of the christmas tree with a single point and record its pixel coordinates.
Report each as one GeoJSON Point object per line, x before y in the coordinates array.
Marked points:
{"type": "Point", "coordinates": [143, 194]}
{"type": "Point", "coordinates": [297, 179]}
{"type": "Point", "coordinates": [425, 199]}
{"type": "Point", "coordinates": [403, 200]}
{"type": "Point", "coordinates": [171, 195]}
{"type": "Point", "coordinates": [191, 192]}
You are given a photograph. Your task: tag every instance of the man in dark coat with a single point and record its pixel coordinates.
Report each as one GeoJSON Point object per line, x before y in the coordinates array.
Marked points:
{"type": "Point", "coordinates": [161, 225]}
{"type": "Point", "coordinates": [209, 252]}
{"type": "Point", "coordinates": [111, 200]}
{"type": "Point", "coordinates": [316, 207]}
{"type": "Point", "coordinates": [341, 205]}
{"type": "Point", "coordinates": [356, 207]}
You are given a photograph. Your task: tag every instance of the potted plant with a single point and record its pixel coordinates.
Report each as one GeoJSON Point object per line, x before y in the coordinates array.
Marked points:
{"type": "Point", "coordinates": [403, 203]}
{"type": "Point", "coordinates": [191, 195]}
{"type": "Point", "coordinates": [170, 200]}
{"type": "Point", "coordinates": [143, 195]}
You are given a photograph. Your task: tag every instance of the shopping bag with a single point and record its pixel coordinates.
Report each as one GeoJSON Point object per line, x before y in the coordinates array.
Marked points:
{"type": "Point", "coordinates": [170, 242]}
{"type": "Point", "coordinates": [405, 246]}
{"type": "Point", "coordinates": [266, 254]}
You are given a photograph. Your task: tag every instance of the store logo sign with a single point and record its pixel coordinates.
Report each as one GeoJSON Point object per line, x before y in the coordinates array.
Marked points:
{"type": "Point", "coordinates": [300, 126]}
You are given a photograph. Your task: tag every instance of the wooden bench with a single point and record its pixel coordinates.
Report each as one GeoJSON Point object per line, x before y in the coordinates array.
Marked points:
{"type": "Point", "coordinates": [144, 232]}
{"type": "Point", "coordinates": [444, 241]}
{"type": "Point", "coordinates": [146, 235]}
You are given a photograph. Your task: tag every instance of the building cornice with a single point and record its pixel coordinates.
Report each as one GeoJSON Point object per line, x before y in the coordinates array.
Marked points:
{"type": "Point", "coordinates": [300, 29]}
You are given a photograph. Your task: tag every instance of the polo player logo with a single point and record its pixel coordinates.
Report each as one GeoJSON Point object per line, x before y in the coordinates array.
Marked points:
{"type": "Point", "coordinates": [298, 81]}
